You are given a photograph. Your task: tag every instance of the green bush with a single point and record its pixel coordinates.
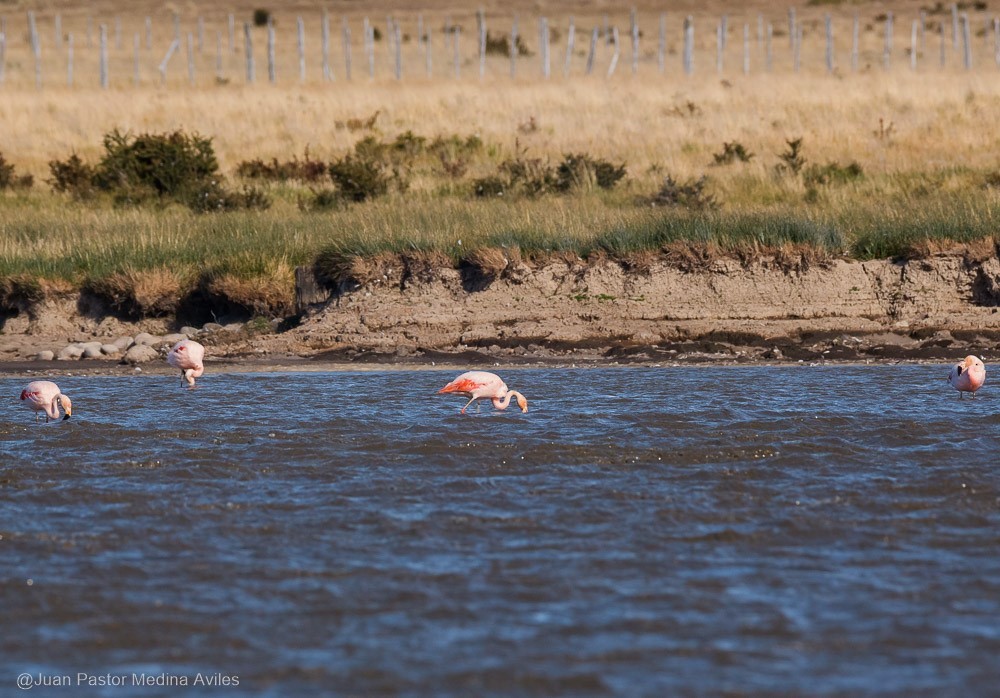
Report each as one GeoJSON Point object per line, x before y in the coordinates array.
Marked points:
{"type": "Point", "coordinates": [261, 17]}
{"type": "Point", "coordinates": [491, 186]}
{"type": "Point", "coordinates": [731, 152]}
{"type": "Point", "coordinates": [72, 176]}
{"type": "Point", "coordinates": [10, 180]}
{"type": "Point", "coordinates": [359, 179]}
{"type": "Point", "coordinates": [304, 170]}
{"type": "Point", "coordinates": [690, 194]}
{"type": "Point", "coordinates": [168, 165]}
{"type": "Point", "coordinates": [831, 173]}
{"type": "Point", "coordinates": [791, 160]}
{"type": "Point", "coordinates": [581, 171]}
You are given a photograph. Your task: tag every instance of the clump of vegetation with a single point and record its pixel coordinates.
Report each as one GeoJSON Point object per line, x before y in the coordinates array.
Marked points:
{"type": "Point", "coordinates": [582, 171]}
{"type": "Point", "coordinates": [499, 45]}
{"type": "Point", "coordinates": [159, 167]}
{"type": "Point", "coordinates": [19, 292]}
{"type": "Point", "coordinates": [690, 195]}
{"type": "Point", "coordinates": [731, 152]}
{"type": "Point", "coordinates": [261, 17]}
{"type": "Point", "coordinates": [72, 176]}
{"type": "Point", "coordinates": [139, 293]}
{"type": "Point", "coordinates": [9, 179]}
{"type": "Point", "coordinates": [791, 160]}
{"type": "Point", "coordinates": [359, 179]}
{"type": "Point", "coordinates": [832, 173]}
{"type": "Point", "coordinates": [304, 170]}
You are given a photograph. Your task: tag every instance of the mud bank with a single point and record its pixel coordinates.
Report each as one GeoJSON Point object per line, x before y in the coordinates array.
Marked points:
{"type": "Point", "coordinates": [570, 311]}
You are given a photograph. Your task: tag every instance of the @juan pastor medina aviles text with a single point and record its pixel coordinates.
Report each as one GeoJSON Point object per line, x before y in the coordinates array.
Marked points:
{"type": "Point", "coordinates": [26, 681]}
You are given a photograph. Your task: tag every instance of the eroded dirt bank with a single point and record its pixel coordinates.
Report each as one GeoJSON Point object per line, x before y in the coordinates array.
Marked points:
{"type": "Point", "coordinates": [938, 308]}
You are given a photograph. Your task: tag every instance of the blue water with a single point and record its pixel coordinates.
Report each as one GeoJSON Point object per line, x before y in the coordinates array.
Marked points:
{"type": "Point", "coordinates": [642, 531]}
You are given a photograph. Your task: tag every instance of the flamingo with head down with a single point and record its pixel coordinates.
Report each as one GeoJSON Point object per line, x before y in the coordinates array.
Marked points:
{"type": "Point", "coordinates": [968, 375]}
{"type": "Point", "coordinates": [478, 385]}
{"type": "Point", "coordinates": [187, 355]}
{"type": "Point", "coordinates": [45, 396]}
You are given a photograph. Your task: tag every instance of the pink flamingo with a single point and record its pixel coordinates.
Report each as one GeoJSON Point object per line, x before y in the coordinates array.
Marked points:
{"type": "Point", "coordinates": [44, 396]}
{"type": "Point", "coordinates": [187, 355]}
{"type": "Point", "coordinates": [481, 384]}
{"type": "Point", "coordinates": [967, 376]}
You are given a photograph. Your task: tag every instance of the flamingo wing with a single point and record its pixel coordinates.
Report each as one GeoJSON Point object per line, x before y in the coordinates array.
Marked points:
{"type": "Point", "coordinates": [462, 385]}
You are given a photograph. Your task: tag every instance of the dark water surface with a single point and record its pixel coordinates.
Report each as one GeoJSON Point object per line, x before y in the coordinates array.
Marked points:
{"type": "Point", "coordinates": [640, 532]}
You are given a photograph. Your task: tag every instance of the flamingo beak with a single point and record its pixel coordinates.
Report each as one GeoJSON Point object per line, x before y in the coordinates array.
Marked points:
{"type": "Point", "coordinates": [522, 403]}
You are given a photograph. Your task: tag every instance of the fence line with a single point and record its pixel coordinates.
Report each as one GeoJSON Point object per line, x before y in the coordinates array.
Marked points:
{"type": "Point", "coordinates": [812, 43]}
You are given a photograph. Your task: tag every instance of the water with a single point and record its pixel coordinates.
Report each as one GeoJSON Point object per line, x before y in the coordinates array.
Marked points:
{"type": "Point", "coordinates": [640, 532]}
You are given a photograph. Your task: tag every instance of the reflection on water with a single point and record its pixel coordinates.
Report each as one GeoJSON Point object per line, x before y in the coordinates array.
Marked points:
{"type": "Point", "coordinates": [639, 532]}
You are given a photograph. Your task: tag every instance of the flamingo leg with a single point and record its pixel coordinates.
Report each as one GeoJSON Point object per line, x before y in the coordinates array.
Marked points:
{"type": "Point", "coordinates": [467, 404]}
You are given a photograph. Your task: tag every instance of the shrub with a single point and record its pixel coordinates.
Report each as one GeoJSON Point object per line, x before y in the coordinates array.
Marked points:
{"type": "Point", "coordinates": [531, 176]}
{"type": "Point", "coordinates": [582, 171]}
{"type": "Point", "coordinates": [791, 160]}
{"type": "Point", "coordinates": [831, 173]}
{"type": "Point", "coordinates": [490, 186]}
{"type": "Point", "coordinates": [261, 17]}
{"type": "Point", "coordinates": [305, 170]}
{"type": "Point", "coordinates": [499, 45]}
{"type": "Point", "coordinates": [10, 180]}
{"type": "Point", "coordinates": [169, 165]}
{"type": "Point", "coordinates": [72, 176]}
{"type": "Point", "coordinates": [321, 200]}
{"type": "Point", "coordinates": [732, 152]}
{"type": "Point", "coordinates": [359, 179]}
{"type": "Point", "coordinates": [690, 194]}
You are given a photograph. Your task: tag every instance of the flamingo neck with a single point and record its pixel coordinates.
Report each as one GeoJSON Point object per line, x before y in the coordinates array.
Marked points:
{"type": "Point", "coordinates": [503, 403]}
{"type": "Point", "coordinates": [52, 408]}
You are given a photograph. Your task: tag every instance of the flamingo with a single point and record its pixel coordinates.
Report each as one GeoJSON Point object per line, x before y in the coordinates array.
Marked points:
{"type": "Point", "coordinates": [968, 376]}
{"type": "Point", "coordinates": [44, 396]}
{"type": "Point", "coordinates": [187, 355]}
{"type": "Point", "coordinates": [481, 384]}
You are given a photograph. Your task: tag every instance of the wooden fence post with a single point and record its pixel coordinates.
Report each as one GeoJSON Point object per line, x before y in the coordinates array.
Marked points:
{"type": "Point", "coordinates": [855, 40]}
{"type": "Point", "coordinates": [954, 26]}
{"type": "Point", "coordinates": [688, 45]}
{"type": "Point", "coordinates": [634, 32]}
{"type": "Point", "coordinates": [272, 65]}
{"type": "Point", "coordinates": [456, 32]}
{"type": "Point", "coordinates": [481, 26]}
{"type": "Point", "coordinates": [616, 52]}
{"type": "Point", "coordinates": [543, 29]}
{"type": "Point", "coordinates": [219, 73]}
{"type": "Point", "coordinates": [829, 44]}
{"type": "Point", "coordinates": [136, 50]}
{"type": "Point", "coordinates": [996, 41]}
{"type": "Point", "coordinates": [149, 33]}
{"type": "Point", "coordinates": [966, 42]}
{"type": "Point", "coordinates": [36, 48]}
{"type": "Point", "coordinates": [300, 28]}
{"type": "Point", "coordinates": [769, 60]}
{"type": "Point", "coordinates": [887, 50]}
{"type": "Point", "coordinates": [190, 58]}
{"type": "Point", "coordinates": [398, 45]}
{"type": "Point", "coordinates": [325, 38]}
{"type": "Point", "coordinates": [248, 49]}
{"type": "Point", "coordinates": [231, 27]}
{"type": "Point", "coordinates": [661, 44]}
{"type": "Point", "coordinates": [913, 44]}
{"type": "Point", "coordinates": [513, 48]}
{"type": "Point", "coordinates": [746, 48]}
{"type": "Point", "coordinates": [174, 45]}
{"type": "Point", "coordinates": [369, 42]}
{"type": "Point", "coordinates": [346, 39]}
{"type": "Point", "coordinates": [177, 27]}
{"type": "Point", "coordinates": [570, 40]}
{"type": "Point", "coordinates": [69, 61]}
{"type": "Point", "coordinates": [594, 34]}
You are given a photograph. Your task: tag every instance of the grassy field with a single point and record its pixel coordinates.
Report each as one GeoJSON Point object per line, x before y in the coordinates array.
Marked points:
{"type": "Point", "coordinates": [896, 163]}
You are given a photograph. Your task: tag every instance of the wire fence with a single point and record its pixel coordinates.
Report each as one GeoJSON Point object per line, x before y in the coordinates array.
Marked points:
{"type": "Point", "coordinates": [83, 51]}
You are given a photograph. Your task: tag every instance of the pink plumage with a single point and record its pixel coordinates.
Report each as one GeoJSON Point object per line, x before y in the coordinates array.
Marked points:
{"type": "Point", "coordinates": [478, 385]}
{"type": "Point", "coordinates": [968, 375]}
{"type": "Point", "coordinates": [187, 355]}
{"type": "Point", "coordinates": [45, 396]}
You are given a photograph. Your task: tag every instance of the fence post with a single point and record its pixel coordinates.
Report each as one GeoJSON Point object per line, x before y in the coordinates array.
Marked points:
{"type": "Point", "coordinates": [996, 41]}
{"type": "Point", "coordinates": [190, 57]}
{"type": "Point", "coordinates": [513, 48]}
{"type": "Point", "coordinates": [177, 27]}
{"type": "Point", "coordinates": [174, 45]}
{"type": "Point", "coordinates": [661, 44]}
{"type": "Point", "coordinates": [272, 67]}
{"type": "Point", "coordinates": [954, 26]}
{"type": "Point", "coordinates": [791, 28]}
{"type": "Point", "coordinates": [36, 48]}
{"type": "Point", "coordinates": [248, 48]}
{"type": "Point", "coordinates": [456, 32]}
{"type": "Point", "coordinates": [481, 22]}
{"type": "Point", "coordinates": [718, 48]}
{"type": "Point", "coordinates": [544, 30]}
{"type": "Point", "coordinates": [149, 33]}
{"type": "Point", "coordinates": [913, 44]}
{"type": "Point", "coordinates": [369, 43]}
{"type": "Point", "coordinates": [346, 39]}
{"type": "Point", "coordinates": [570, 40]}
{"type": "Point", "coordinates": [58, 30]}
{"type": "Point", "coordinates": [428, 58]}
{"type": "Point", "coordinates": [301, 41]}
{"type": "Point", "coordinates": [966, 42]}
{"type": "Point", "coordinates": [855, 40]}
{"type": "Point", "coordinates": [231, 26]}
{"type": "Point", "coordinates": [634, 31]}
{"type": "Point", "coordinates": [887, 51]}
{"type": "Point", "coordinates": [398, 44]}
{"type": "Point", "coordinates": [593, 49]}
{"type": "Point", "coordinates": [616, 53]}
{"type": "Point", "coordinates": [688, 45]}
{"type": "Point", "coordinates": [219, 73]}
{"type": "Point", "coordinates": [746, 48]}
{"type": "Point", "coordinates": [325, 34]}
{"type": "Point", "coordinates": [829, 44]}
{"type": "Point", "coordinates": [769, 60]}
{"type": "Point", "coordinates": [69, 61]}
{"type": "Point", "coordinates": [136, 49]}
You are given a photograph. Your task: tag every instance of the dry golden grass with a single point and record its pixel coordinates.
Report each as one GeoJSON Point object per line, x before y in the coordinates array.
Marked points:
{"type": "Point", "coordinates": [152, 292]}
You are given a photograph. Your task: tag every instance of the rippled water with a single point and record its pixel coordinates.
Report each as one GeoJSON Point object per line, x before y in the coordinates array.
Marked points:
{"type": "Point", "coordinates": [641, 531]}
